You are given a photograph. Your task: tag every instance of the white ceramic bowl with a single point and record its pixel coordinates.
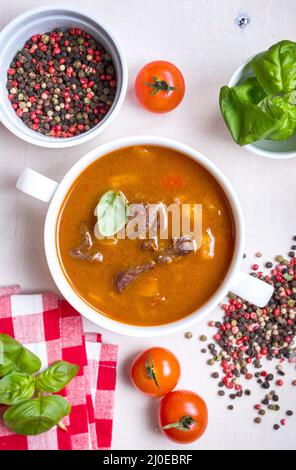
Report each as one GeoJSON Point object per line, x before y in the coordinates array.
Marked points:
{"type": "Point", "coordinates": [40, 20]}
{"type": "Point", "coordinates": [277, 149]}
{"type": "Point", "coordinates": [39, 186]}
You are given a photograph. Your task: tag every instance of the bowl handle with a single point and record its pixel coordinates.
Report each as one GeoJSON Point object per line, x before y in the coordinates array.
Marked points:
{"type": "Point", "coordinates": [252, 289]}
{"type": "Point", "coordinates": [36, 185]}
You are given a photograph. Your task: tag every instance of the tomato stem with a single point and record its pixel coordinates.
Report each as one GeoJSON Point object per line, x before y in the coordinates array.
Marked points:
{"type": "Point", "coordinates": [150, 370]}
{"type": "Point", "coordinates": [159, 85]}
{"type": "Point", "coordinates": [182, 425]}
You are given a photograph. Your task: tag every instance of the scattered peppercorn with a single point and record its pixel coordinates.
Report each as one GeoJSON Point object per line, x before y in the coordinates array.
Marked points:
{"type": "Point", "coordinates": [188, 335]}
{"type": "Point", "coordinates": [276, 427]}
{"type": "Point", "coordinates": [230, 407]}
{"type": "Point", "coordinates": [203, 338]}
{"type": "Point", "coordinates": [289, 413]}
{"type": "Point", "coordinates": [247, 335]}
{"type": "Point", "coordinates": [62, 83]}
{"type": "Point", "coordinates": [257, 420]}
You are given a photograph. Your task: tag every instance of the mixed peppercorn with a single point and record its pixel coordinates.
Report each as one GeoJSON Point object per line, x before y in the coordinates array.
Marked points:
{"type": "Point", "coordinates": [61, 83]}
{"type": "Point", "coordinates": [248, 338]}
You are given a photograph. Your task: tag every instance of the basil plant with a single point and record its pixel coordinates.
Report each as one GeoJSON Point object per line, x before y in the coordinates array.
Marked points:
{"type": "Point", "coordinates": [28, 392]}
{"type": "Point", "coordinates": [264, 106]}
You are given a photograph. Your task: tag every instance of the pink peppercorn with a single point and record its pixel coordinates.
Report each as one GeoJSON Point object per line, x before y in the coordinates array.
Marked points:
{"type": "Point", "coordinates": [279, 383]}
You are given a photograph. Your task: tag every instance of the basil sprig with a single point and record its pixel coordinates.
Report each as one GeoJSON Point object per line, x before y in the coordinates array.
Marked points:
{"type": "Point", "coordinates": [263, 106]}
{"type": "Point", "coordinates": [31, 412]}
{"type": "Point", "coordinates": [112, 213]}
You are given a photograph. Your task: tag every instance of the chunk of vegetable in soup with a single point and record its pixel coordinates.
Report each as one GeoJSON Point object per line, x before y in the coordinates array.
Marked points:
{"type": "Point", "coordinates": [161, 290]}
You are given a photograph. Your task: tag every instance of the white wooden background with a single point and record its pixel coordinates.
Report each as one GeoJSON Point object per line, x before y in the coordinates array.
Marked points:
{"type": "Point", "coordinates": [201, 37]}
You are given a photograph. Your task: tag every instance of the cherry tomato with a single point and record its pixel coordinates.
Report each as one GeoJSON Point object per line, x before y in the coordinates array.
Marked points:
{"type": "Point", "coordinates": [160, 86]}
{"type": "Point", "coordinates": [183, 416]}
{"type": "Point", "coordinates": [155, 372]}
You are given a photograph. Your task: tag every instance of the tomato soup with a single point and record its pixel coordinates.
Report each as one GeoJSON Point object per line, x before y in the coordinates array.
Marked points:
{"type": "Point", "coordinates": [124, 279]}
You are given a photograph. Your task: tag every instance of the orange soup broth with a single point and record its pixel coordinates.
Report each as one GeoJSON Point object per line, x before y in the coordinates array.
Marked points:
{"type": "Point", "coordinates": [169, 292]}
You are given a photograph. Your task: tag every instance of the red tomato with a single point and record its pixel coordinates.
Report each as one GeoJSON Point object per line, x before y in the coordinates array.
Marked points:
{"type": "Point", "coordinates": [160, 86]}
{"type": "Point", "coordinates": [183, 416]}
{"type": "Point", "coordinates": [155, 372]}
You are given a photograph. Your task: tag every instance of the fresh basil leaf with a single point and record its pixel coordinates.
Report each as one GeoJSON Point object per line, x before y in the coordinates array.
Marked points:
{"type": "Point", "coordinates": [6, 366]}
{"type": "Point", "coordinates": [37, 415]}
{"type": "Point", "coordinates": [20, 357]}
{"type": "Point", "coordinates": [275, 68]}
{"type": "Point", "coordinates": [56, 377]}
{"type": "Point", "coordinates": [283, 110]}
{"type": "Point", "coordinates": [16, 388]}
{"type": "Point", "coordinates": [250, 91]}
{"type": "Point", "coordinates": [112, 213]}
{"type": "Point", "coordinates": [245, 120]}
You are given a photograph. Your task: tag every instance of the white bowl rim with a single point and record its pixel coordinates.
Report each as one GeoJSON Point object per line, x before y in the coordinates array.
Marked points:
{"type": "Point", "coordinates": [251, 147]}
{"type": "Point", "coordinates": [60, 278]}
{"type": "Point", "coordinates": [92, 133]}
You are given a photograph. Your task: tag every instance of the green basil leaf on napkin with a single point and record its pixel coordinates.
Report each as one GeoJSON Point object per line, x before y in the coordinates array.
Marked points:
{"type": "Point", "coordinates": [56, 377]}
{"type": "Point", "coordinates": [16, 388]}
{"type": "Point", "coordinates": [112, 213]}
{"type": "Point", "coordinates": [276, 67]}
{"type": "Point", "coordinates": [16, 355]}
{"type": "Point", "coordinates": [6, 366]}
{"type": "Point", "coordinates": [36, 416]}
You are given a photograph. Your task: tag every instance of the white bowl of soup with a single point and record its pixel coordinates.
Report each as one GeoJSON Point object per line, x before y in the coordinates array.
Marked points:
{"type": "Point", "coordinates": [143, 287]}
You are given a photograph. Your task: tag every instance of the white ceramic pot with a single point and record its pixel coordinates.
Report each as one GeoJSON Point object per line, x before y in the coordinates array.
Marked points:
{"type": "Point", "coordinates": [276, 149]}
{"type": "Point", "coordinates": [40, 20]}
{"type": "Point", "coordinates": [242, 284]}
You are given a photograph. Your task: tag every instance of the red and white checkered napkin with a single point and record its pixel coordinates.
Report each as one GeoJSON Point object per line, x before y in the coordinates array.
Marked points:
{"type": "Point", "coordinates": [53, 330]}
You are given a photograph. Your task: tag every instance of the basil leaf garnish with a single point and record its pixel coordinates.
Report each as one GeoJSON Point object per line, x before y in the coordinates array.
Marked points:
{"type": "Point", "coordinates": [112, 213]}
{"type": "Point", "coordinates": [36, 416]}
{"type": "Point", "coordinates": [56, 377]}
{"type": "Point", "coordinates": [17, 357]}
{"type": "Point", "coordinates": [16, 388]}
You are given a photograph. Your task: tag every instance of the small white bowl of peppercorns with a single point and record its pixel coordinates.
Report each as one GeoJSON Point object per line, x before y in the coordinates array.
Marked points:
{"type": "Point", "coordinates": [63, 76]}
